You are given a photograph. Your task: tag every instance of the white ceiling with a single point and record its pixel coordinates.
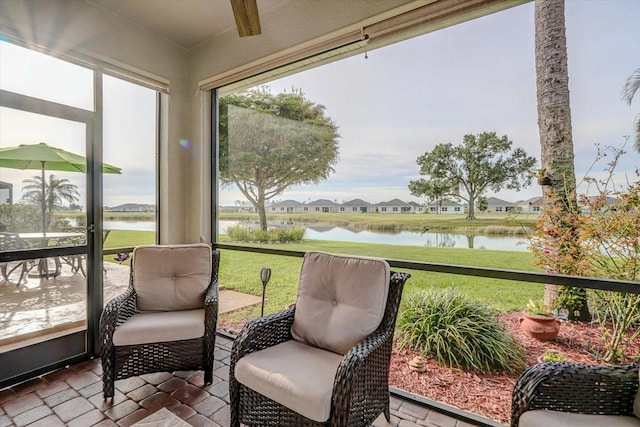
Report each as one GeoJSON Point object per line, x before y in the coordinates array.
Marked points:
{"type": "Point", "coordinates": [185, 22]}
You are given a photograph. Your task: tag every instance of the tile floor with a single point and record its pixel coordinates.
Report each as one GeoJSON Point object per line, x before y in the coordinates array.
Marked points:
{"type": "Point", "coordinates": [73, 397]}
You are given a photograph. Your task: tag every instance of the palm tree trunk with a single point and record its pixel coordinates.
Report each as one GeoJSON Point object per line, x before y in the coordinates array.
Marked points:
{"type": "Point", "coordinates": [554, 112]}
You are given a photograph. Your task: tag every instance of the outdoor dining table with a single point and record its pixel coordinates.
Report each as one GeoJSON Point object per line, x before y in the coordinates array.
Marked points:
{"type": "Point", "coordinates": [39, 240]}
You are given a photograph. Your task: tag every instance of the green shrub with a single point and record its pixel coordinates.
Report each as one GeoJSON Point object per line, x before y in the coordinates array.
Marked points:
{"type": "Point", "coordinates": [21, 218]}
{"type": "Point", "coordinates": [553, 356]}
{"type": "Point", "coordinates": [458, 332]}
{"type": "Point", "coordinates": [241, 233]}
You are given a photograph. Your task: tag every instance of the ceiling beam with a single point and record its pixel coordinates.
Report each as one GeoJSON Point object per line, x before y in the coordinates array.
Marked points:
{"type": "Point", "coordinates": [245, 13]}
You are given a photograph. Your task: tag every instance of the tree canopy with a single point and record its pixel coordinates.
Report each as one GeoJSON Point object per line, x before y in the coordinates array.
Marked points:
{"type": "Point", "coordinates": [270, 142]}
{"type": "Point", "coordinates": [482, 162]}
{"type": "Point", "coordinates": [57, 191]}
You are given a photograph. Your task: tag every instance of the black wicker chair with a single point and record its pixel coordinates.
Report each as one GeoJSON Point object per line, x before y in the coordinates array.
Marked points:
{"type": "Point", "coordinates": [360, 386]}
{"type": "Point", "coordinates": [156, 353]}
{"type": "Point", "coordinates": [577, 389]}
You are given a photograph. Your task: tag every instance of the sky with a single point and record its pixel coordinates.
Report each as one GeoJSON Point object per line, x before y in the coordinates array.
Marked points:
{"type": "Point", "coordinates": [477, 76]}
{"type": "Point", "coordinates": [390, 107]}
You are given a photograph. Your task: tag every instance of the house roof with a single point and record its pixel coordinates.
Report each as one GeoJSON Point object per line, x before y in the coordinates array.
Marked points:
{"type": "Point", "coordinates": [494, 201]}
{"type": "Point", "coordinates": [535, 201]}
{"type": "Point", "coordinates": [322, 202]}
{"type": "Point", "coordinates": [394, 202]}
{"type": "Point", "coordinates": [356, 202]}
{"type": "Point", "coordinates": [287, 203]}
{"type": "Point", "coordinates": [444, 202]}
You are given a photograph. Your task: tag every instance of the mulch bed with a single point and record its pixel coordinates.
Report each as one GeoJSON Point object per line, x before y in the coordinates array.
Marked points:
{"type": "Point", "coordinates": [489, 395]}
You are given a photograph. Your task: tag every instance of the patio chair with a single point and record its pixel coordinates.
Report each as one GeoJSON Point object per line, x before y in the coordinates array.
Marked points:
{"type": "Point", "coordinates": [74, 261]}
{"type": "Point", "coordinates": [14, 269]}
{"type": "Point", "coordinates": [166, 320]}
{"type": "Point", "coordinates": [567, 394]}
{"type": "Point", "coordinates": [325, 360]}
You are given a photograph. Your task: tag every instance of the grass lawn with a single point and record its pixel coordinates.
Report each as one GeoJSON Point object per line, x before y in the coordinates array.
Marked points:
{"type": "Point", "coordinates": [239, 270]}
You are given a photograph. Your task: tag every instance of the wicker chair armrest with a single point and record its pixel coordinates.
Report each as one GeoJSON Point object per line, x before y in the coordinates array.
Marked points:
{"type": "Point", "coordinates": [211, 307]}
{"type": "Point", "coordinates": [363, 371]}
{"type": "Point", "coordinates": [115, 313]}
{"type": "Point", "coordinates": [211, 299]}
{"type": "Point", "coordinates": [211, 295]}
{"type": "Point", "coordinates": [578, 388]}
{"type": "Point", "coordinates": [120, 308]}
{"type": "Point", "coordinates": [263, 333]}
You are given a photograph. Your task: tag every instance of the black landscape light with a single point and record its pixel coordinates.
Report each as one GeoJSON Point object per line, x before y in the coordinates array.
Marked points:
{"type": "Point", "coordinates": [265, 275]}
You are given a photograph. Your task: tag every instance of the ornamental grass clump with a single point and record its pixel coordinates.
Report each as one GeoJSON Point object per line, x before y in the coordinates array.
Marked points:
{"type": "Point", "coordinates": [458, 332]}
{"type": "Point", "coordinates": [241, 233]}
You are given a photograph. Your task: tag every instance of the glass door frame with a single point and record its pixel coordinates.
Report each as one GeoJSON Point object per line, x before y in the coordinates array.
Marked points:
{"type": "Point", "coordinates": [36, 359]}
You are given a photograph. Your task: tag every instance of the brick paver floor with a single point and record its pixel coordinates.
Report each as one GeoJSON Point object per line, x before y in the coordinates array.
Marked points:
{"type": "Point", "coordinates": [73, 397]}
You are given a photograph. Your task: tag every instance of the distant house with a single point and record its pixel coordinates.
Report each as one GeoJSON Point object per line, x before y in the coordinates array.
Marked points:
{"type": "Point", "coordinates": [445, 206]}
{"type": "Point", "coordinates": [6, 193]}
{"type": "Point", "coordinates": [321, 205]}
{"type": "Point", "coordinates": [395, 206]}
{"type": "Point", "coordinates": [416, 207]}
{"type": "Point", "coordinates": [495, 205]}
{"type": "Point", "coordinates": [532, 205]}
{"type": "Point", "coordinates": [287, 206]}
{"type": "Point", "coordinates": [355, 205]}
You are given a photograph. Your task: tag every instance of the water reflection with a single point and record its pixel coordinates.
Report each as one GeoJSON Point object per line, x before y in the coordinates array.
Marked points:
{"type": "Point", "coordinates": [410, 238]}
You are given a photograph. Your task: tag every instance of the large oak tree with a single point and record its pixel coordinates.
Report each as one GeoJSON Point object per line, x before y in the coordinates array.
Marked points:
{"type": "Point", "coordinates": [482, 162]}
{"type": "Point", "coordinates": [270, 142]}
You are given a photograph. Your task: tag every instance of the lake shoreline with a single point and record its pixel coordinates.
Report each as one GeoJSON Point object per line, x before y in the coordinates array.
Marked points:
{"type": "Point", "coordinates": [485, 224]}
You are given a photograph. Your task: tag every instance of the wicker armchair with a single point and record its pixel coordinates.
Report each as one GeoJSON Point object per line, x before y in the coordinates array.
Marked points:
{"type": "Point", "coordinates": [559, 393]}
{"type": "Point", "coordinates": [166, 320]}
{"type": "Point", "coordinates": [354, 394]}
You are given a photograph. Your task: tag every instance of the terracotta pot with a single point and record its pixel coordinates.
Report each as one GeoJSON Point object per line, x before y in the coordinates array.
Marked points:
{"type": "Point", "coordinates": [540, 327]}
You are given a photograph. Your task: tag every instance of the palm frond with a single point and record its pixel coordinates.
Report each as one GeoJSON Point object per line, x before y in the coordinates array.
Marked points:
{"type": "Point", "coordinates": [631, 86]}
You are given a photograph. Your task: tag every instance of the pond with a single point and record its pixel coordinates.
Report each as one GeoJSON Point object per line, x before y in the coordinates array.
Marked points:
{"type": "Point", "coordinates": [410, 238]}
{"type": "Point", "coordinates": [130, 225]}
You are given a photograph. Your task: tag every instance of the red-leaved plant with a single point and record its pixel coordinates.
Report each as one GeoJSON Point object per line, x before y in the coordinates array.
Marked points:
{"type": "Point", "coordinates": [601, 238]}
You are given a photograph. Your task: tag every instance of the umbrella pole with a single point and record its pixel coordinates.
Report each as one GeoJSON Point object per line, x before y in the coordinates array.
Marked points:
{"type": "Point", "coordinates": [43, 208]}
{"type": "Point", "coordinates": [43, 265]}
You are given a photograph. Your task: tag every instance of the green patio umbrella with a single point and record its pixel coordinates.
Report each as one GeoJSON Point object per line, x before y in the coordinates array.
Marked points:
{"type": "Point", "coordinates": [45, 157]}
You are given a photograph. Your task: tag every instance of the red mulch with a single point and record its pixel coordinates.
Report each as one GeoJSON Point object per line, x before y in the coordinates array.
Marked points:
{"type": "Point", "coordinates": [489, 395]}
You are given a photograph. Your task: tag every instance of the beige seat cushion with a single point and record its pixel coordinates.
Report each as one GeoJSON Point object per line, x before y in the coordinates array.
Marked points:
{"type": "Point", "coordinates": [341, 300]}
{"type": "Point", "coordinates": [293, 374]}
{"type": "Point", "coordinates": [171, 277]}
{"type": "Point", "coordinates": [161, 326]}
{"type": "Point", "coordinates": [542, 418]}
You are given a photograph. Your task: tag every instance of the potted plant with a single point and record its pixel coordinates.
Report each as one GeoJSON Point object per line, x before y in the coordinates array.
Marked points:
{"type": "Point", "coordinates": [538, 321]}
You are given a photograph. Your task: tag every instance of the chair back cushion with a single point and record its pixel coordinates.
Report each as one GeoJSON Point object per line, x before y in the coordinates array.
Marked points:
{"type": "Point", "coordinates": [171, 277]}
{"type": "Point", "coordinates": [341, 300]}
